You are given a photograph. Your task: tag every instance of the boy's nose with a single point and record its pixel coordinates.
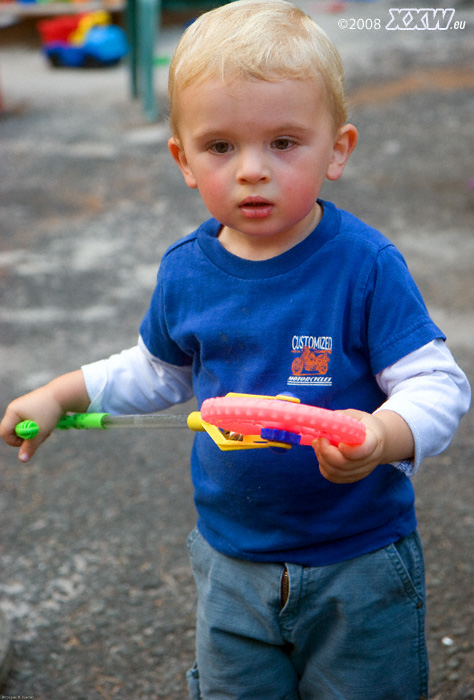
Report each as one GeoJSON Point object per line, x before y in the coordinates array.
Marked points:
{"type": "Point", "coordinates": [252, 167]}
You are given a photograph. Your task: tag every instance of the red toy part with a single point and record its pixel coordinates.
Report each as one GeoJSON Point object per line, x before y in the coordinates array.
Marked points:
{"type": "Point", "coordinates": [249, 415]}
{"type": "Point", "coordinates": [59, 28]}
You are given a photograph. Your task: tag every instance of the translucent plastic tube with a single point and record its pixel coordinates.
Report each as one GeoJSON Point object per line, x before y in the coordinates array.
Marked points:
{"type": "Point", "coordinates": [28, 429]}
{"type": "Point", "coordinates": [154, 420]}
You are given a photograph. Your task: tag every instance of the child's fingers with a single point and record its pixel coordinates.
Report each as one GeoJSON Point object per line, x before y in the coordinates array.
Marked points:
{"type": "Point", "coordinates": [357, 452]}
{"type": "Point", "coordinates": [339, 464]}
{"type": "Point", "coordinates": [331, 462]}
{"type": "Point", "coordinates": [328, 453]}
{"type": "Point", "coordinates": [7, 429]}
{"type": "Point", "coordinates": [28, 449]}
{"type": "Point", "coordinates": [7, 432]}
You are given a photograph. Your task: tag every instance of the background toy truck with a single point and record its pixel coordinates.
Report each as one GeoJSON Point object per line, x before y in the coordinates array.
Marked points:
{"type": "Point", "coordinates": [87, 40]}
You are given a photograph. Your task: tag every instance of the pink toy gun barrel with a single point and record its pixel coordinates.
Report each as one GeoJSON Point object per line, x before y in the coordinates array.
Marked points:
{"type": "Point", "coordinates": [281, 419]}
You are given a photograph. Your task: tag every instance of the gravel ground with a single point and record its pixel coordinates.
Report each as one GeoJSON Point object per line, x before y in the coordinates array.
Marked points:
{"type": "Point", "coordinates": [94, 577]}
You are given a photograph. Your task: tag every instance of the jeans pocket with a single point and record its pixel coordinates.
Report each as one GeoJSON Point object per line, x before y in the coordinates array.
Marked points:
{"type": "Point", "coordinates": [191, 540]}
{"type": "Point", "coordinates": [406, 557]}
{"type": "Point", "coordinates": [192, 677]}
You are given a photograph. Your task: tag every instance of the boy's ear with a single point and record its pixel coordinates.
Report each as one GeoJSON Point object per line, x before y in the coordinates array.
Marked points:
{"type": "Point", "coordinates": [180, 157]}
{"type": "Point", "coordinates": [344, 144]}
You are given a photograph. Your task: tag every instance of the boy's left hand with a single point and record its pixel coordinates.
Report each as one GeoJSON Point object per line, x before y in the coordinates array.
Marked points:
{"type": "Point", "coordinates": [345, 464]}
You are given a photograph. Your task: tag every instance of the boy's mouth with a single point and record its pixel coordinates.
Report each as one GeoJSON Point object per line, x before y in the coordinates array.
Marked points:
{"type": "Point", "coordinates": [255, 207]}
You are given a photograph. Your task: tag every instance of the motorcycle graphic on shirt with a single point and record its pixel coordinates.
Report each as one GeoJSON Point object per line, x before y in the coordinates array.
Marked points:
{"type": "Point", "coordinates": [310, 362]}
{"type": "Point", "coordinates": [311, 365]}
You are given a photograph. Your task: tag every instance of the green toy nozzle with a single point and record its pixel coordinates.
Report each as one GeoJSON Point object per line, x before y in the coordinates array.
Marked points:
{"type": "Point", "coordinates": [83, 421]}
{"type": "Point", "coordinates": [28, 429]}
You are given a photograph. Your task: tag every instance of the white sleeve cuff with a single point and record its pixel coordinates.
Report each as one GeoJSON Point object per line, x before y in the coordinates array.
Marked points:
{"type": "Point", "coordinates": [431, 393]}
{"type": "Point", "coordinates": [134, 381]}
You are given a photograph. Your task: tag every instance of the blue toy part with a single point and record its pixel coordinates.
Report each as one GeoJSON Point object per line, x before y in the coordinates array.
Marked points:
{"type": "Point", "coordinates": [104, 46]}
{"type": "Point", "coordinates": [61, 54]}
{"type": "Point", "coordinates": [284, 436]}
{"type": "Point", "coordinates": [275, 435]}
{"type": "Point", "coordinates": [289, 394]}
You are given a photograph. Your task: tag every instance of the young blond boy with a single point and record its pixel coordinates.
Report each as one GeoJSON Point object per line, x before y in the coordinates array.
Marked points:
{"type": "Point", "coordinates": [309, 571]}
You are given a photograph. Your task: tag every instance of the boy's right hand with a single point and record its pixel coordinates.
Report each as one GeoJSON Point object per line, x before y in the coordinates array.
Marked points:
{"type": "Point", "coordinates": [39, 406]}
{"type": "Point", "coordinates": [44, 406]}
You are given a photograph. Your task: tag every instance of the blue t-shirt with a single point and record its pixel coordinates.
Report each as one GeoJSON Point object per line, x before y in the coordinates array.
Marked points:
{"type": "Point", "coordinates": [320, 320]}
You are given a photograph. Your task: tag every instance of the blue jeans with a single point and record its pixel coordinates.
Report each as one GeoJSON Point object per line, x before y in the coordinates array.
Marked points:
{"type": "Point", "coordinates": [347, 631]}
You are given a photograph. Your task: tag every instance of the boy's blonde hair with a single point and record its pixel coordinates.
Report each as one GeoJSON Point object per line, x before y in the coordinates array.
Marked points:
{"type": "Point", "coordinates": [257, 39]}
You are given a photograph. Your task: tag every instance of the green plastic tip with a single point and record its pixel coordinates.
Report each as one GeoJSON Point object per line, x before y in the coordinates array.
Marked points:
{"type": "Point", "coordinates": [27, 430]}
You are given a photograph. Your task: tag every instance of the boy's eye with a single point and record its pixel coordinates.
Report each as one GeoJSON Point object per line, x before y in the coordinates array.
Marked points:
{"type": "Point", "coordinates": [282, 144]}
{"type": "Point", "coordinates": [220, 147]}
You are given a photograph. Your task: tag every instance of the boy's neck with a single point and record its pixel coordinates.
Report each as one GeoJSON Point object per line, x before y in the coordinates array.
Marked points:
{"type": "Point", "coordinates": [256, 248]}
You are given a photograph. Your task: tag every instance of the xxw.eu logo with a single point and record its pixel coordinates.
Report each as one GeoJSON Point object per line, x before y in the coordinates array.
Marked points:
{"type": "Point", "coordinates": [409, 19]}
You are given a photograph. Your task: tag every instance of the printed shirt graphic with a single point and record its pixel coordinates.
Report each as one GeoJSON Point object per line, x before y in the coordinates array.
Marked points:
{"type": "Point", "coordinates": [310, 364]}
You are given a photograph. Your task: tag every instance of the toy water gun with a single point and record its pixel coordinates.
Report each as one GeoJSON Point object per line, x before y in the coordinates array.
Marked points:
{"type": "Point", "coordinates": [234, 422]}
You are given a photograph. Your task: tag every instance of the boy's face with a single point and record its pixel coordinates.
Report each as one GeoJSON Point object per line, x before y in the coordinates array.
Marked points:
{"type": "Point", "coordinates": [259, 153]}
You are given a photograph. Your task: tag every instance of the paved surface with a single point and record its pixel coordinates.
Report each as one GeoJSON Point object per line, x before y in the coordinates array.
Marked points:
{"type": "Point", "coordinates": [94, 577]}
